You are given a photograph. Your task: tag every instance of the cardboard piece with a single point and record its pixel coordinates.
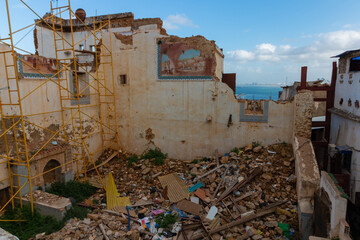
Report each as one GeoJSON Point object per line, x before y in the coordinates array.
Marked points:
{"type": "Point", "coordinates": [122, 209]}
{"type": "Point", "coordinates": [176, 188]}
{"type": "Point", "coordinates": [189, 207]}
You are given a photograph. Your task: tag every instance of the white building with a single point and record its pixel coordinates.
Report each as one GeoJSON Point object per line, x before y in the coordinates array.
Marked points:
{"type": "Point", "coordinates": [345, 124]}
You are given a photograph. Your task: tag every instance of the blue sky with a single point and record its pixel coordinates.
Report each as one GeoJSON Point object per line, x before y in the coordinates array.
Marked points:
{"type": "Point", "coordinates": [263, 41]}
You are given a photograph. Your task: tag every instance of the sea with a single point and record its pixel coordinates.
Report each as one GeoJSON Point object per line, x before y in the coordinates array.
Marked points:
{"type": "Point", "coordinates": [258, 92]}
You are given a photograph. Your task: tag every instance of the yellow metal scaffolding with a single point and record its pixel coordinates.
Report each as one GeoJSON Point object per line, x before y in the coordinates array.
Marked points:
{"type": "Point", "coordinates": [99, 88]}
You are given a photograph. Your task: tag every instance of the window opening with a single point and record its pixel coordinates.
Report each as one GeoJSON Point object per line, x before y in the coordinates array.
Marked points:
{"type": "Point", "coordinates": [355, 64]}
{"type": "Point", "coordinates": [123, 79]}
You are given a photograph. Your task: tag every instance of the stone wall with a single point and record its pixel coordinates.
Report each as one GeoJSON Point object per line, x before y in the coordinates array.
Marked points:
{"type": "Point", "coordinates": [303, 113]}
{"type": "Point", "coordinates": [308, 181]}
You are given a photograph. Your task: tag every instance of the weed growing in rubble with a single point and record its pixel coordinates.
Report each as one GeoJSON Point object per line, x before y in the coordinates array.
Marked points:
{"type": "Point", "coordinates": [165, 221]}
{"type": "Point", "coordinates": [158, 161]}
{"type": "Point", "coordinates": [235, 150]}
{"type": "Point", "coordinates": [155, 154]}
{"type": "Point", "coordinates": [32, 225]}
{"type": "Point", "coordinates": [256, 144]}
{"type": "Point", "coordinates": [204, 159]}
{"type": "Point", "coordinates": [77, 190]}
{"type": "Point", "coordinates": [132, 159]}
{"type": "Point", "coordinates": [76, 212]}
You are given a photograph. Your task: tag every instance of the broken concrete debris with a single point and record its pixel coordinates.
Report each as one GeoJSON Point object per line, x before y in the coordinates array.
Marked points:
{"type": "Point", "coordinates": [251, 196]}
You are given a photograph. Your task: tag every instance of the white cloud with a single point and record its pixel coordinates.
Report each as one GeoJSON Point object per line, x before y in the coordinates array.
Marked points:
{"type": "Point", "coordinates": [323, 47]}
{"type": "Point", "coordinates": [173, 22]}
{"type": "Point", "coordinates": [265, 48]}
{"type": "Point", "coordinates": [267, 62]}
{"type": "Point", "coordinates": [241, 55]}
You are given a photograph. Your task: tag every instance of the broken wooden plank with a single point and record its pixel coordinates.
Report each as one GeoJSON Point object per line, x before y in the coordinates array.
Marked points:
{"type": "Point", "coordinates": [213, 170]}
{"type": "Point", "coordinates": [141, 203]}
{"type": "Point", "coordinates": [253, 174]}
{"type": "Point", "coordinates": [270, 209]}
{"type": "Point", "coordinates": [221, 182]}
{"type": "Point", "coordinates": [103, 163]}
{"type": "Point", "coordinates": [103, 231]}
{"type": "Point", "coordinates": [265, 211]}
{"type": "Point", "coordinates": [135, 219]}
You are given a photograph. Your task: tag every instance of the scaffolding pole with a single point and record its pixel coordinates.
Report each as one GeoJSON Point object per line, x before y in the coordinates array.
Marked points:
{"type": "Point", "coordinates": [99, 88]}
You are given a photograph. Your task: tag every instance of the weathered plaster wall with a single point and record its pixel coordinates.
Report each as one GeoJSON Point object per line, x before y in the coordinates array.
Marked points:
{"type": "Point", "coordinates": [306, 168]}
{"type": "Point", "coordinates": [44, 99]}
{"type": "Point", "coordinates": [289, 92]}
{"type": "Point", "coordinates": [189, 118]}
{"type": "Point", "coordinates": [307, 182]}
{"type": "Point", "coordinates": [338, 203]}
{"type": "Point", "coordinates": [303, 113]}
{"type": "Point", "coordinates": [4, 173]}
{"type": "Point", "coordinates": [348, 88]}
{"type": "Point", "coordinates": [61, 154]}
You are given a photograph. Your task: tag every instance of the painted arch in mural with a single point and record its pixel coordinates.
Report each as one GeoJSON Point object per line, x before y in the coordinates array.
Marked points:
{"type": "Point", "coordinates": [177, 60]}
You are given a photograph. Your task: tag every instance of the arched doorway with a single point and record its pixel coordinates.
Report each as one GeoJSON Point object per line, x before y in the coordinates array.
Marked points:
{"type": "Point", "coordinates": [54, 175]}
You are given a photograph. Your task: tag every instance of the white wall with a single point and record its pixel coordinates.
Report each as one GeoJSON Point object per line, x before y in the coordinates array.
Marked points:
{"type": "Point", "coordinates": [177, 110]}
{"type": "Point", "coordinates": [343, 130]}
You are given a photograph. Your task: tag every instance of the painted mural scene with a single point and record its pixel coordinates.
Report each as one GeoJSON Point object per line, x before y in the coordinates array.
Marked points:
{"type": "Point", "coordinates": [114, 127]}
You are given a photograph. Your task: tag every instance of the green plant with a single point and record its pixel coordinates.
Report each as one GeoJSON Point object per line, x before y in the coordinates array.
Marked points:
{"type": "Point", "coordinates": [132, 159]}
{"type": "Point", "coordinates": [256, 144]}
{"type": "Point", "coordinates": [33, 224]}
{"type": "Point", "coordinates": [158, 161]}
{"type": "Point", "coordinates": [77, 190]}
{"type": "Point", "coordinates": [76, 212]}
{"type": "Point", "coordinates": [165, 221]}
{"type": "Point", "coordinates": [204, 159]}
{"type": "Point", "coordinates": [95, 201]}
{"type": "Point", "coordinates": [98, 162]}
{"type": "Point", "coordinates": [155, 154]}
{"type": "Point", "coordinates": [235, 150]}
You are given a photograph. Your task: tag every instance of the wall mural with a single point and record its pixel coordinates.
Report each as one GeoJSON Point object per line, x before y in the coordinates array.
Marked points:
{"type": "Point", "coordinates": [180, 61]}
{"type": "Point", "coordinates": [30, 65]}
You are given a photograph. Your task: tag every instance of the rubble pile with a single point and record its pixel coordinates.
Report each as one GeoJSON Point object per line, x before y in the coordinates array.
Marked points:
{"type": "Point", "coordinates": [247, 193]}
{"type": "Point", "coordinates": [92, 228]}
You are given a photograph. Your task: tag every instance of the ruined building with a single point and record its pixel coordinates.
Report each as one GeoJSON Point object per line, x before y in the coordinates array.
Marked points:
{"type": "Point", "coordinates": [168, 91]}
{"type": "Point", "coordinates": [122, 83]}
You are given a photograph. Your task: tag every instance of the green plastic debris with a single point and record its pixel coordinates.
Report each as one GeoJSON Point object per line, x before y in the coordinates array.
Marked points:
{"type": "Point", "coordinates": [285, 229]}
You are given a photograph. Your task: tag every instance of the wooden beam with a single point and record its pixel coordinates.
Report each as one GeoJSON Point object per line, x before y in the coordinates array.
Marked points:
{"type": "Point", "coordinates": [303, 77]}
{"type": "Point", "coordinates": [270, 209]}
